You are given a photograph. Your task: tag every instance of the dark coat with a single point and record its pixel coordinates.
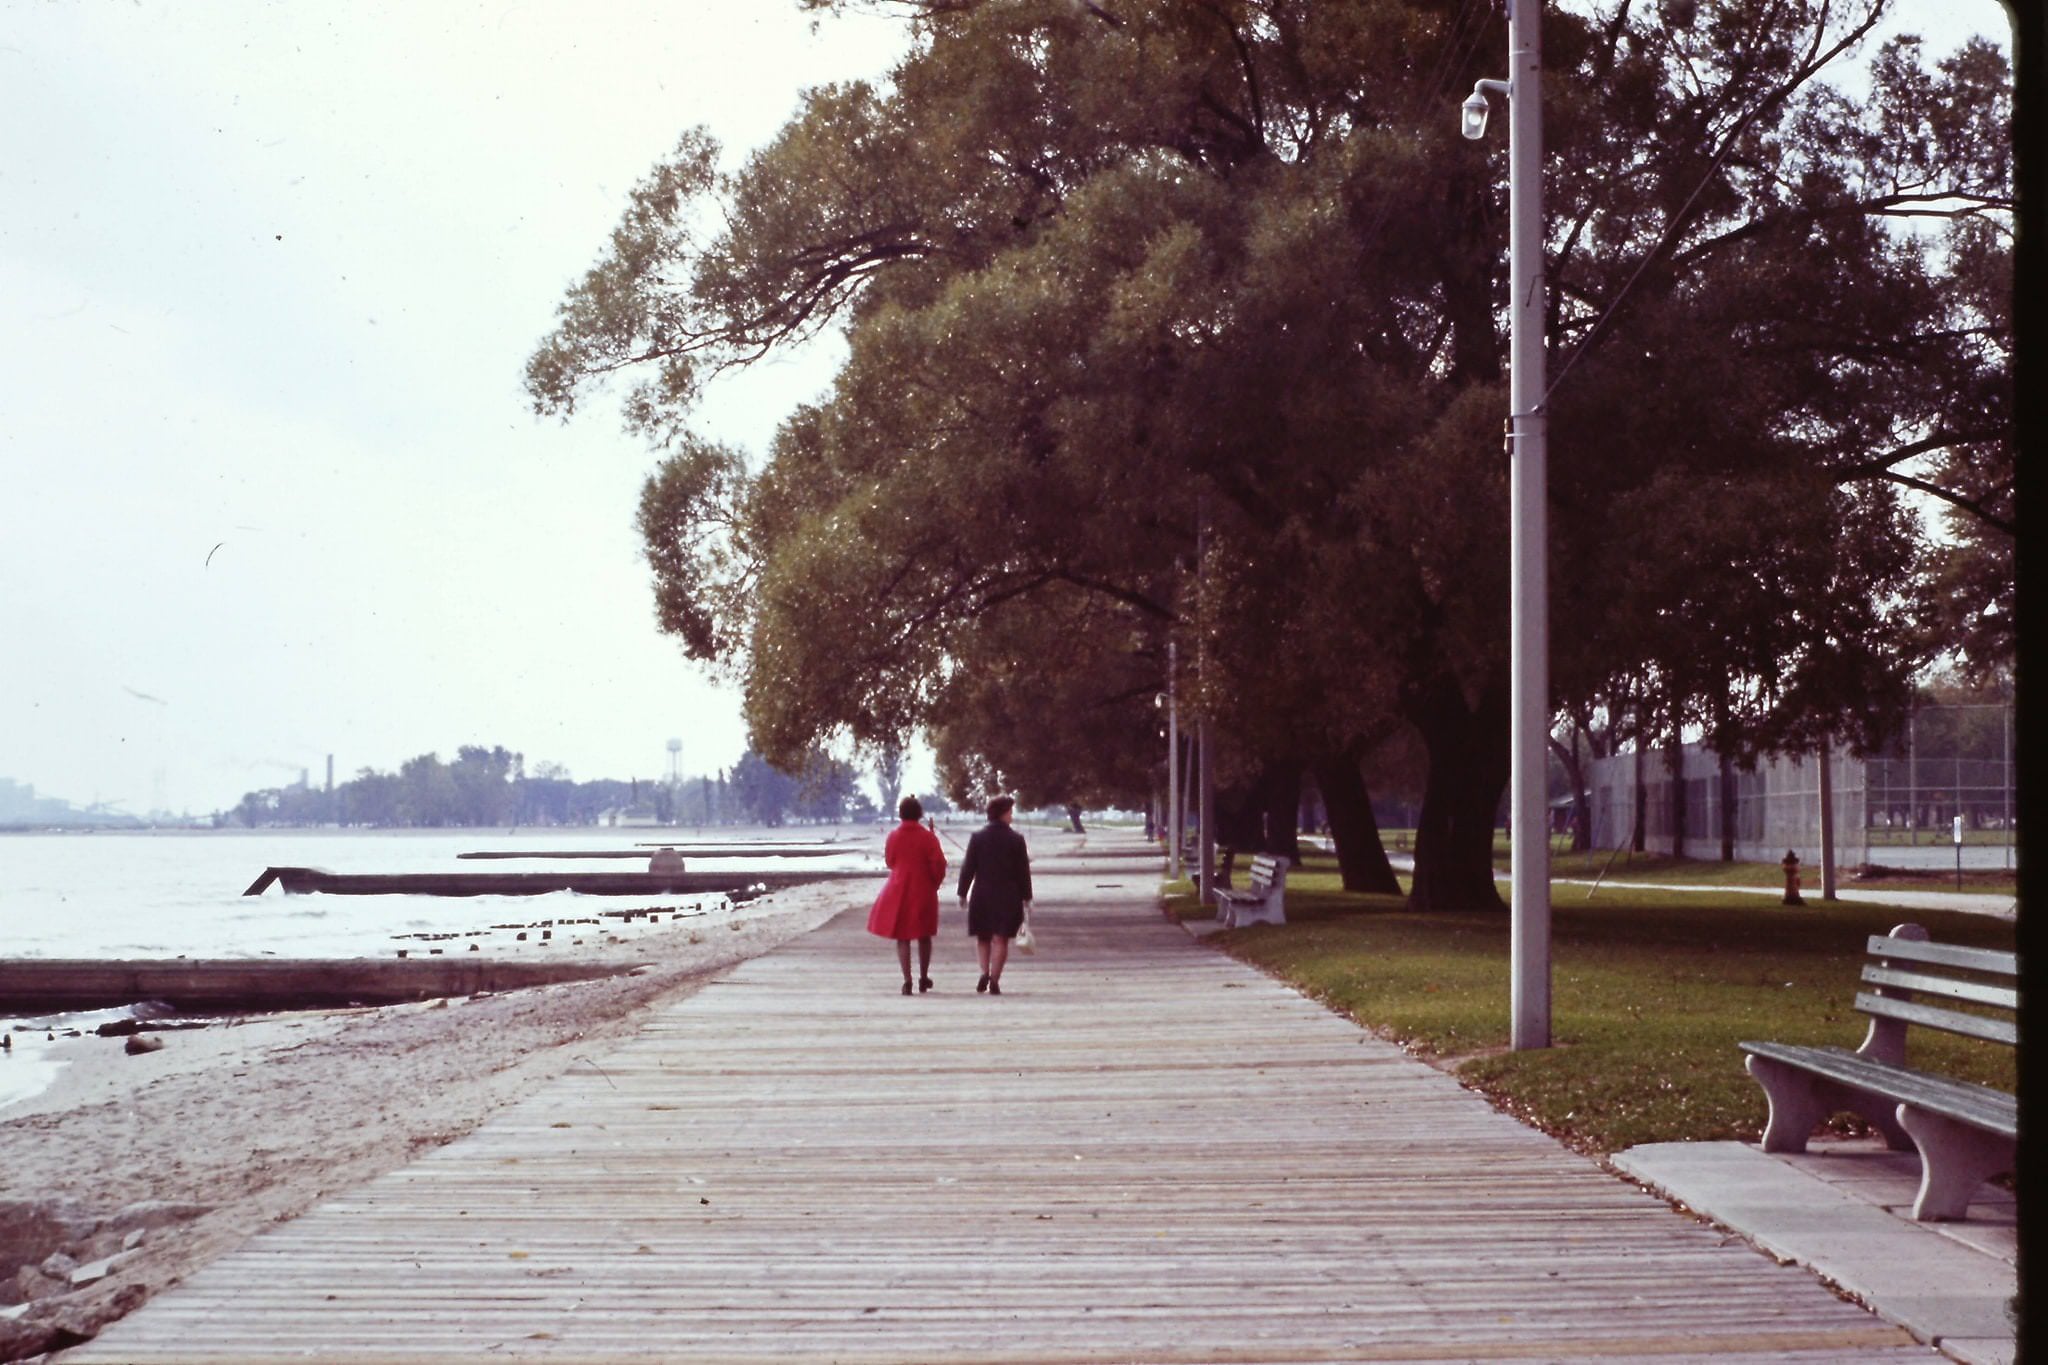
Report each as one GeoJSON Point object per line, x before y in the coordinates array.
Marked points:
{"type": "Point", "coordinates": [995, 880]}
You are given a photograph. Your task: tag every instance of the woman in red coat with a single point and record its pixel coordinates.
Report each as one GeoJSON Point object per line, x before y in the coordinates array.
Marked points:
{"type": "Point", "coordinates": [908, 907]}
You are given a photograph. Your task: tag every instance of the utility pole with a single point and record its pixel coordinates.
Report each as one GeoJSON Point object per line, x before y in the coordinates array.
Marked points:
{"type": "Point", "coordinates": [1203, 738]}
{"type": "Point", "coordinates": [1173, 759]}
{"type": "Point", "coordinates": [1529, 600]}
{"type": "Point", "coordinates": [1529, 637]}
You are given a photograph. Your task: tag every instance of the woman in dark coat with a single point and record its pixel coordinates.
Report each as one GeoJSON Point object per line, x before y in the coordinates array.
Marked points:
{"type": "Point", "coordinates": [995, 886]}
{"type": "Point", "coordinates": [908, 907]}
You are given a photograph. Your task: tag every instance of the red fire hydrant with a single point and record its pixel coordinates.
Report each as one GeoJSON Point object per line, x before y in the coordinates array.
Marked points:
{"type": "Point", "coordinates": [1791, 866]}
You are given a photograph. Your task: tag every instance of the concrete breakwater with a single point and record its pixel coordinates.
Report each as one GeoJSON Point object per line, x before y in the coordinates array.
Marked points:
{"type": "Point", "coordinates": [42, 985]}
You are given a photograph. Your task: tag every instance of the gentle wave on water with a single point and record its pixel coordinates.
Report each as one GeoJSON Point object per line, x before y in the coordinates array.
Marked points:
{"type": "Point", "coordinates": [179, 893]}
{"type": "Point", "coordinates": [26, 1067]}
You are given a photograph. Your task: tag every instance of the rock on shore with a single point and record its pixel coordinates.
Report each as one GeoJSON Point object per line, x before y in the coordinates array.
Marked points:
{"type": "Point", "coordinates": [51, 1249]}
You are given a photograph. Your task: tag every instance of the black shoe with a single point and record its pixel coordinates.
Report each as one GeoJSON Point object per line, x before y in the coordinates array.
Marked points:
{"type": "Point", "coordinates": [906, 988]}
{"type": "Point", "coordinates": [981, 985]}
{"type": "Point", "coordinates": [995, 987]}
{"type": "Point", "coordinates": [924, 983]}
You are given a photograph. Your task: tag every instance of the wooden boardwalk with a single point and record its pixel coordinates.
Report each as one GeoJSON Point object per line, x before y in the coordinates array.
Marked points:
{"type": "Point", "coordinates": [1143, 1151]}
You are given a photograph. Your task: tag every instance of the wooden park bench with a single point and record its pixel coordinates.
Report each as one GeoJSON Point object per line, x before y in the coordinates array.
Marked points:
{"type": "Point", "coordinates": [1261, 901]}
{"type": "Point", "coordinates": [1965, 1133]}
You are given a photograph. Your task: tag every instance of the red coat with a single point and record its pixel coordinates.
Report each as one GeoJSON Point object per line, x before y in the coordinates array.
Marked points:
{"type": "Point", "coordinates": [909, 905]}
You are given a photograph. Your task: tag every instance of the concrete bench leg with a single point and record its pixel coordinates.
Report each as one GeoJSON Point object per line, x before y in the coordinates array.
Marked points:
{"type": "Point", "coordinates": [1796, 1105]}
{"type": "Point", "coordinates": [1265, 912]}
{"type": "Point", "coordinates": [1954, 1160]}
{"type": "Point", "coordinates": [1800, 1100]}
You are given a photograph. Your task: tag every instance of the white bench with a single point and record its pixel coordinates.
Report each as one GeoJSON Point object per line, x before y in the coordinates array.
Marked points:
{"type": "Point", "coordinates": [1260, 903]}
{"type": "Point", "coordinates": [1966, 1133]}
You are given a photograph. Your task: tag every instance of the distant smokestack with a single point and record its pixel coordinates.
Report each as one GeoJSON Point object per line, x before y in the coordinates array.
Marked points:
{"type": "Point", "coordinates": [305, 779]}
{"type": "Point", "coordinates": [330, 774]}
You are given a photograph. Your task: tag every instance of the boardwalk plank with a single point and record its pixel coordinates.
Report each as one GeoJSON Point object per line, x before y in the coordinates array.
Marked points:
{"type": "Point", "coordinates": [1143, 1151]}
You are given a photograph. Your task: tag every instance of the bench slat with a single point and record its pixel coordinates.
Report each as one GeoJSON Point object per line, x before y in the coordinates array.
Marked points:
{"type": "Point", "coordinates": [1949, 1021]}
{"type": "Point", "coordinates": [1965, 1101]}
{"type": "Point", "coordinates": [1945, 955]}
{"type": "Point", "coordinates": [1982, 993]}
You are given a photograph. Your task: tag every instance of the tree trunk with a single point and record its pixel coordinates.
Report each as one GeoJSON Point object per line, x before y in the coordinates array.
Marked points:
{"type": "Point", "coordinates": [1640, 841]}
{"type": "Point", "coordinates": [1727, 808]}
{"type": "Point", "coordinates": [1074, 819]}
{"type": "Point", "coordinates": [1282, 793]}
{"type": "Point", "coordinates": [1314, 815]}
{"type": "Point", "coordinates": [1575, 773]}
{"type": "Point", "coordinates": [1724, 740]}
{"type": "Point", "coordinates": [1468, 755]}
{"type": "Point", "coordinates": [1361, 857]}
{"type": "Point", "coordinates": [1674, 763]}
{"type": "Point", "coordinates": [1240, 826]}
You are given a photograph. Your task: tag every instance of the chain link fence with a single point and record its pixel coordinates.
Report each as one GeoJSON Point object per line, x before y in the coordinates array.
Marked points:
{"type": "Point", "coordinates": [1896, 808]}
{"type": "Point", "coordinates": [1954, 762]}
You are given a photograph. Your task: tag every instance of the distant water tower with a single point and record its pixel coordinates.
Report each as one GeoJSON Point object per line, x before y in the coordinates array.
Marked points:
{"type": "Point", "coordinates": [675, 763]}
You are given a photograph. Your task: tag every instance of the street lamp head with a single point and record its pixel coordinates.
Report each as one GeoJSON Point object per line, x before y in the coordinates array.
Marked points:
{"type": "Point", "coordinates": [1472, 115]}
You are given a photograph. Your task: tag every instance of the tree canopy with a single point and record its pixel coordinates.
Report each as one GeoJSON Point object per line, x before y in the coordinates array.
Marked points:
{"type": "Point", "coordinates": [1123, 278]}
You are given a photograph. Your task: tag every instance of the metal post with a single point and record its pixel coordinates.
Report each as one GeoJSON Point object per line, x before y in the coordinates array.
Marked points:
{"type": "Point", "coordinates": [1827, 824]}
{"type": "Point", "coordinates": [1207, 783]}
{"type": "Point", "coordinates": [1529, 631]}
{"type": "Point", "coordinates": [1913, 776]}
{"type": "Point", "coordinates": [1173, 758]}
{"type": "Point", "coordinates": [1957, 730]}
{"type": "Point", "coordinates": [1188, 810]}
{"type": "Point", "coordinates": [2005, 782]}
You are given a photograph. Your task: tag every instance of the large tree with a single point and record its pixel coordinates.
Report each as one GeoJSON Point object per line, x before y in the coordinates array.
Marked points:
{"type": "Point", "coordinates": [1113, 273]}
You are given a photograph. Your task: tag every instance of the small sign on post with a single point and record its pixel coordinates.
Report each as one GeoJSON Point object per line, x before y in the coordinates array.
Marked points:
{"type": "Point", "coordinates": [1959, 853]}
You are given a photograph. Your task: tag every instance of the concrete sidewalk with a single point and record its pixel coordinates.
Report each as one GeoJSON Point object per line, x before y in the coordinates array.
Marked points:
{"type": "Point", "coordinates": [1963, 902]}
{"type": "Point", "coordinates": [1143, 1150]}
{"type": "Point", "coordinates": [1843, 1210]}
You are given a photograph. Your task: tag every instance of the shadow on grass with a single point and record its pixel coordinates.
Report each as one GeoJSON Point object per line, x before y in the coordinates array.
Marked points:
{"type": "Point", "coordinates": [1651, 992]}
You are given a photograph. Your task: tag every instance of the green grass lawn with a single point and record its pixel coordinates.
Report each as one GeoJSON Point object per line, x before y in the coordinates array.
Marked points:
{"type": "Point", "coordinates": [1651, 992]}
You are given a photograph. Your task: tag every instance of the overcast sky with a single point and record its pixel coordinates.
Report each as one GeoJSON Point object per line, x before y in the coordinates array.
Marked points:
{"type": "Point", "coordinates": [268, 276]}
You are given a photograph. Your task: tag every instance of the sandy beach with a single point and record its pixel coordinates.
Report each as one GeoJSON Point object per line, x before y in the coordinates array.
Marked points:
{"type": "Point", "coordinates": [145, 1166]}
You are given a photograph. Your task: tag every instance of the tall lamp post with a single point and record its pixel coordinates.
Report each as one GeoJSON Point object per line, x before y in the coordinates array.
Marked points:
{"type": "Point", "coordinates": [1529, 629]}
{"type": "Point", "coordinates": [1173, 792]}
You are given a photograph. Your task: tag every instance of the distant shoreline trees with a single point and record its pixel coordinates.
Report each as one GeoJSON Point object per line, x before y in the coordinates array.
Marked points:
{"type": "Point", "coordinates": [490, 787]}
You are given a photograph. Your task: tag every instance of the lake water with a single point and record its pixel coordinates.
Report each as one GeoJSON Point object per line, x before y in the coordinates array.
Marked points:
{"type": "Point", "coordinates": [179, 893]}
